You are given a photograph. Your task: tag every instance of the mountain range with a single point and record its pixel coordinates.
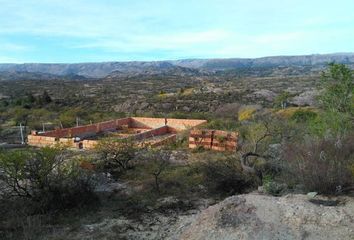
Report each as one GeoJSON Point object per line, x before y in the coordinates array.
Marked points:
{"type": "Point", "coordinates": [179, 67]}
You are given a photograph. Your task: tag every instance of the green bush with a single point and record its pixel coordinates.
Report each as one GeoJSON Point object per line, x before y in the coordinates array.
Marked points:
{"type": "Point", "coordinates": [226, 178]}
{"type": "Point", "coordinates": [302, 116]}
{"type": "Point", "coordinates": [47, 178]}
{"type": "Point", "coordinates": [273, 187]}
{"type": "Point", "coordinates": [223, 124]}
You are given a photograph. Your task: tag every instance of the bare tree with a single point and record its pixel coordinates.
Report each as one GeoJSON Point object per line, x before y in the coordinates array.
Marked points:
{"type": "Point", "coordinates": [117, 154]}
{"type": "Point", "coordinates": [256, 148]}
{"type": "Point", "coordinates": [160, 159]}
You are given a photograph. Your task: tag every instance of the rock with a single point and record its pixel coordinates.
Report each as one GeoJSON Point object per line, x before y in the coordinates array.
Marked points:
{"type": "Point", "coordinates": [307, 98]}
{"type": "Point", "coordinates": [167, 106]}
{"type": "Point", "coordinates": [144, 105]}
{"type": "Point", "coordinates": [167, 201]}
{"type": "Point", "coordinates": [109, 188]}
{"type": "Point", "coordinates": [254, 216]}
{"type": "Point", "coordinates": [178, 157]}
{"type": "Point", "coordinates": [312, 194]}
{"type": "Point", "coordinates": [248, 216]}
{"type": "Point", "coordinates": [261, 189]}
{"type": "Point", "coordinates": [186, 109]}
{"type": "Point", "coordinates": [264, 93]}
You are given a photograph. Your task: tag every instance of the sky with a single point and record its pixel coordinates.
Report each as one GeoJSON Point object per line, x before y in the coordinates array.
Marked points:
{"type": "Point", "coordinates": [58, 31]}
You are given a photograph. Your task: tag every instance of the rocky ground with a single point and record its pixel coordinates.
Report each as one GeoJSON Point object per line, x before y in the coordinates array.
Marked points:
{"type": "Point", "coordinates": [254, 216]}
{"type": "Point", "coordinates": [247, 216]}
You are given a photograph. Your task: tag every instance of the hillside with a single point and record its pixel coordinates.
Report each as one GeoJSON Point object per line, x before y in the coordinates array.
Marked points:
{"type": "Point", "coordinates": [264, 66]}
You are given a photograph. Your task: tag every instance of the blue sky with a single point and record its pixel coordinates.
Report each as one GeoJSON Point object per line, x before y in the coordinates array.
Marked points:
{"type": "Point", "coordinates": [124, 30]}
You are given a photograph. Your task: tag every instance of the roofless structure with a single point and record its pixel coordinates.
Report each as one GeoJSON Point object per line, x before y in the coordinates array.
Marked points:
{"type": "Point", "coordinates": [152, 131]}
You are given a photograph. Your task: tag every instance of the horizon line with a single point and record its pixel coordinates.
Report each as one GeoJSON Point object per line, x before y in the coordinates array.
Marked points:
{"type": "Point", "coordinates": [181, 59]}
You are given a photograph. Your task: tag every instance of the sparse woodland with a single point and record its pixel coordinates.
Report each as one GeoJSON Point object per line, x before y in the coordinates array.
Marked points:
{"type": "Point", "coordinates": [289, 143]}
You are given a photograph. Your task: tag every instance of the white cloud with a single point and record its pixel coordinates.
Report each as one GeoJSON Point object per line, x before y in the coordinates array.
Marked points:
{"type": "Point", "coordinates": [174, 41]}
{"type": "Point", "coordinates": [176, 29]}
{"type": "Point", "coordinates": [5, 59]}
{"type": "Point", "coordinates": [13, 47]}
{"type": "Point", "coordinates": [277, 38]}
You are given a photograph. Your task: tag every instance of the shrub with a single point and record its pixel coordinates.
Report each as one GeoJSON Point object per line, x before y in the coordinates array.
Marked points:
{"type": "Point", "coordinates": [289, 112]}
{"type": "Point", "coordinates": [229, 110]}
{"type": "Point", "coordinates": [246, 113]}
{"type": "Point", "coordinates": [334, 124]}
{"type": "Point", "coordinates": [338, 92]}
{"type": "Point", "coordinates": [302, 116]}
{"type": "Point", "coordinates": [281, 101]}
{"type": "Point", "coordinates": [223, 124]}
{"type": "Point", "coordinates": [336, 100]}
{"type": "Point", "coordinates": [226, 178]}
{"type": "Point", "coordinates": [321, 165]}
{"type": "Point", "coordinates": [273, 187]}
{"type": "Point", "coordinates": [117, 154]}
{"type": "Point", "coordinates": [160, 162]}
{"type": "Point", "coordinates": [46, 178]}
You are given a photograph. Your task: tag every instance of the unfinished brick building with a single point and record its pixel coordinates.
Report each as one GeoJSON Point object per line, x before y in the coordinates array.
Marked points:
{"type": "Point", "coordinates": [213, 139]}
{"type": "Point", "coordinates": [152, 131]}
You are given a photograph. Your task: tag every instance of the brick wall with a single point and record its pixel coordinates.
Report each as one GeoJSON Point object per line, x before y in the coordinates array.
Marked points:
{"type": "Point", "coordinates": [68, 142]}
{"type": "Point", "coordinates": [41, 141]}
{"type": "Point", "coordinates": [151, 133]}
{"type": "Point", "coordinates": [157, 126]}
{"type": "Point", "coordinates": [57, 133]}
{"type": "Point", "coordinates": [167, 140]}
{"type": "Point", "coordinates": [89, 144]}
{"type": "Point", "coordinates": [145, 123]}
{"type": "Point", "coordinates": [178, 124]}
{"type": "Point", "coordinates": [213, 139]}
{"type": "Point", "coordinates": [123, 121]}
{"type": "Point", "coordinates": [87, 130]}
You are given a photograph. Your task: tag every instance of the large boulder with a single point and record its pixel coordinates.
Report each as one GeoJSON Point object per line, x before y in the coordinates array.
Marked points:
{"type": "Point", "coordinates": [307, 98]}
{"type": "Point", "coordinates": [254, 216]}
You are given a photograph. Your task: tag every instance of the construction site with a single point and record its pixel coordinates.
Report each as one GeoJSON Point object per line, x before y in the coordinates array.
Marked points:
{"type": "Point", "coordinates": [151, 131]}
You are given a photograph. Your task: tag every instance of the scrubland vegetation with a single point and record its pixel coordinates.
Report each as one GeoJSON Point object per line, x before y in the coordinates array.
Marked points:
{"type": "Point", "coordinates": [282, 147]}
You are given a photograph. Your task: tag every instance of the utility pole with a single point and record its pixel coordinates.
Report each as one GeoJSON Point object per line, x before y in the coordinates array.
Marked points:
{"type": "Point", "coordinates": [77, 121]}
{"type": "Point", "coordinates": [43, 127]}
{"type": "Point", "coordinates": [22, 137]}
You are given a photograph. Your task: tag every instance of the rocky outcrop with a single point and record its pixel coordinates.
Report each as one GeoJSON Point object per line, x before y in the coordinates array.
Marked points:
{"type": "Point", "coordinates": [248, 216]}
{"type": "Point", "coordinates": [307, 98]}
{"type": "Point", "coordinates": [254, 216]}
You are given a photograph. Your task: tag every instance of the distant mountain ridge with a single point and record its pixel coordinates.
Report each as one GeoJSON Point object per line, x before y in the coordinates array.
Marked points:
{"type": "Point", "coordinates": [180, 67]}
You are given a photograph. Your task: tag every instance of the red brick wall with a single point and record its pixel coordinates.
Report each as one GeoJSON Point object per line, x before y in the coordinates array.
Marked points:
{"type": "Point", "coordinates": [154, 132]}
{"type": "Point", "coordinates": [147, 123]}
{"type": "Point", "coordinates": [156, 124]}
{"type": "Point", "coordinates": [213, 139]}
{"type": "Point", "coordinates": [106, 126]}
{"type": "Point", "coordinates": [178, 124]}
{"type": "Point", "coordinates": [41, 141]}
{"type": "Point", "coordinates": [88, 129]}
{"type": "Point", "coordinates": [123, 121]}
{"type": "Point", "coordinates": [57, 133]}
{"type": "Point", "coordinates": [68, 142]}
{"type": "Point", "coordinates": [167, 140]}
{"type": "Point", "coordinates": [89, 144]}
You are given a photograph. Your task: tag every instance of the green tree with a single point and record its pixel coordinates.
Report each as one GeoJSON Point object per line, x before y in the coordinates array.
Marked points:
{"type": "Point", "coordinates": [46, 177]}
{"type": "Point", "coordinates": [338, 85]}
{"type": "Point", "coordinates": [282, 99]}
{"type": "Point", "coordinates": [336, 101]}
{"type": "Point", "coordinates": [44, 98]}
